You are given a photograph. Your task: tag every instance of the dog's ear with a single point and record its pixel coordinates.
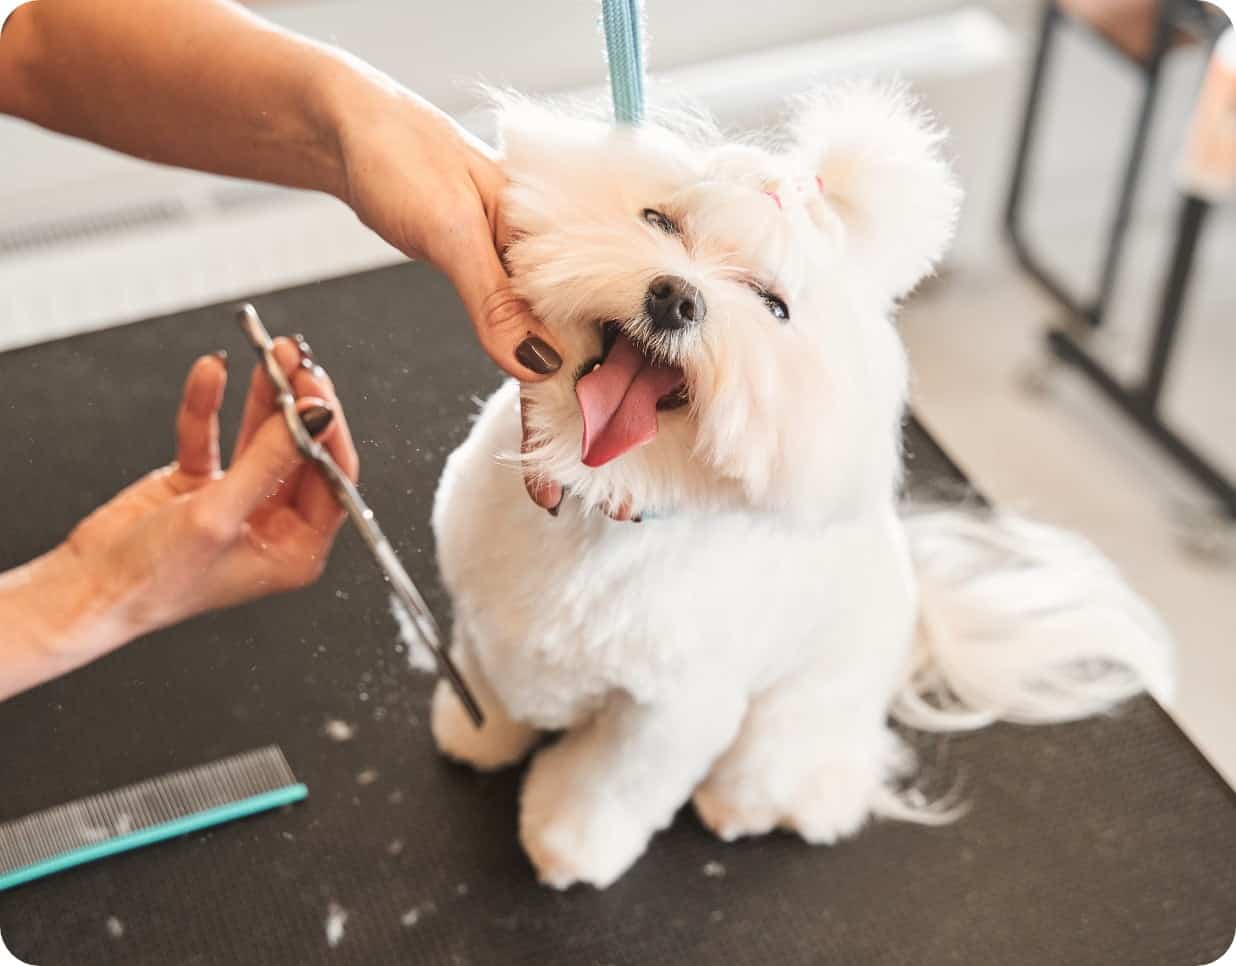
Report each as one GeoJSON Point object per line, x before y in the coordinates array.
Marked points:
{"type": "Point", "coordinates": [877, 156]}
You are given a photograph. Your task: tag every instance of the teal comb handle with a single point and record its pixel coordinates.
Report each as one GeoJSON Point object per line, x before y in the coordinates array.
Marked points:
{"type": "Point", "coordinates": [174, 828]}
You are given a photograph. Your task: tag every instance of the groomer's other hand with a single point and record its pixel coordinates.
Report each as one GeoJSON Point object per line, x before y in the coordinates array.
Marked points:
{"type": "Point", "coordinates": [188, 537]}
{"type": "Point", "coordinates": [192, 537]}
{"type": "Point", "coordinates": [431, 189]}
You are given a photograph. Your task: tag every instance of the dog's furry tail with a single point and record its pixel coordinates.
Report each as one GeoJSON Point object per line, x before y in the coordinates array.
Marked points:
{"type": "Point", "coordinates": [1022, 622]}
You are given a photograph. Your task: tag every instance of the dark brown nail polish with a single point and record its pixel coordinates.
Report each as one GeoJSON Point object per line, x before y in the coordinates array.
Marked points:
{"type": "Point", "coordinates": [303, 346]}
{"type": "Point", "coordinates": [637, 519]}
{"type": "Point", "coordinates": [315, 419]}
{"type": "Point", "coordinates": [538, 355]}
{"type": "Point", "coordinates": [221, 355]}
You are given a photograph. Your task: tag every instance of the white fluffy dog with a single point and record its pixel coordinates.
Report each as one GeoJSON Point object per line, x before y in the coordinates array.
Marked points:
{"type": "Point", "coordinates": [732, 374]}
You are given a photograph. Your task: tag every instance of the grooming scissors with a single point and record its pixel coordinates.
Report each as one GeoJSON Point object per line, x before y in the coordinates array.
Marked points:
{"type": "Point", "coordinates": [406, 594]}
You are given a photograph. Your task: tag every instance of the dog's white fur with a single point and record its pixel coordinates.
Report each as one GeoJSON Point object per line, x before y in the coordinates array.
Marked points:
{"type": "Point", "coordinates": [746, 643]}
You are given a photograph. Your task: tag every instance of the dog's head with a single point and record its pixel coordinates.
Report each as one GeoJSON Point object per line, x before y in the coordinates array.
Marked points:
{"type": "Point", "coordinates": [723, 309]}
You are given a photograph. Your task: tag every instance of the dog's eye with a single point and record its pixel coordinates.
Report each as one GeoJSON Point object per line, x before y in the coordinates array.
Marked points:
{"type": "Point", "coordinates": [659, 221]}
{"type": "Point", "coordinates": [776, 306]}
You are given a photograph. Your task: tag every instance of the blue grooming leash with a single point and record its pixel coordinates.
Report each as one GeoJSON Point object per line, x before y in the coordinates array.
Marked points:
{"type": "Point", "coordinates": [622, 20]}
{"type": "Point", "coordinates": [625, 51]}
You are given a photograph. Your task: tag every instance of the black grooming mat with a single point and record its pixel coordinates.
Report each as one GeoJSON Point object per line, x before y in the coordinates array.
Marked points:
{"type": "Point", "coordinates": [1106, 842]}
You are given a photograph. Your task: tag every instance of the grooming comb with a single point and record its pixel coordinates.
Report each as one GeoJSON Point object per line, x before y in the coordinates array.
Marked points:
{"type": "Point", "coordinates": [142, 814]}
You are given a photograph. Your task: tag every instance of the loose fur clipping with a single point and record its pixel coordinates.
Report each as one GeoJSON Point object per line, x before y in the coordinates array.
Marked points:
{"type": "Point", "coordinates": [745, 646]}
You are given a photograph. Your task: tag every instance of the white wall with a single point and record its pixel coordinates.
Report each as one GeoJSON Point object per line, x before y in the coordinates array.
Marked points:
{"type": "Point", "coordinates": [441, 49]}
{"type": "Point", "coordinates": [740, 61]}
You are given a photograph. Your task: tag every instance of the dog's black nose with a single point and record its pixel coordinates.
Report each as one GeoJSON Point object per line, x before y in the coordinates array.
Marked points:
{"type": "Point", "coordinates": [673, 303]}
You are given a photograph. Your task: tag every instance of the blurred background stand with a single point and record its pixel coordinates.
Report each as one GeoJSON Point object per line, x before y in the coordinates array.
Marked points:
{"type": "Point", "coordinates": [1169, 22]}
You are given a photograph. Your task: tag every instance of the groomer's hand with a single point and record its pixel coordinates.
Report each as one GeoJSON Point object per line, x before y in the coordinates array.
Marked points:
{"type": "Point", "coordinates": [188, 537]}
{"type": "Point", "coordinates": [192, 537]}
{"type": "Point", "coordinates": [431, 189]}
{"type": "Point", "coordinates": [210, 85]}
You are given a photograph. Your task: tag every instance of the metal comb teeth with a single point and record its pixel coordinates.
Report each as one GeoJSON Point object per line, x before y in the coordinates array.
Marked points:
{"type": "Point", "coordinates": [89, 828]}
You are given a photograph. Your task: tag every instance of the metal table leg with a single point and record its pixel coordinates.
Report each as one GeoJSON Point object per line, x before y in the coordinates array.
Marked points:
{"type": "Point", "coordinates": [1140, 402]}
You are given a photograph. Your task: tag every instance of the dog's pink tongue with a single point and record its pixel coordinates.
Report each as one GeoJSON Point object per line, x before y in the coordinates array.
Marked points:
{"type": "Point", "coordinates": [618, 401]}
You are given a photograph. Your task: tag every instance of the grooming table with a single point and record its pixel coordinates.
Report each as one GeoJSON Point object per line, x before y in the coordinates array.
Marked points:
{"type": "Point", "coordinates": [1106, 842]}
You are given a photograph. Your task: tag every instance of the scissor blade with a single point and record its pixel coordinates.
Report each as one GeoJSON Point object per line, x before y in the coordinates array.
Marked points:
{"type": "Point", "coordinates": [446, 666]}
{"type": "Point", "coordinates": [349, 497]}
{"type": "Point", "coordinates": [420, 616]}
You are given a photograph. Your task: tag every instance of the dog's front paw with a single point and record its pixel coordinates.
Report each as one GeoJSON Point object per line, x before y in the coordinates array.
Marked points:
{"type": "Point", "coordinates": [730, 817]}
{"type": "Point", "coordinates": [830, 805]}
{"type": "Point", "coordinates": [496, 744]}
{"type": "Point", "coordinates": [593, 845]}
{"type": "Point", "coordinates": [833, 803]}
{"type": "Point", "coordinates": [573, 831]}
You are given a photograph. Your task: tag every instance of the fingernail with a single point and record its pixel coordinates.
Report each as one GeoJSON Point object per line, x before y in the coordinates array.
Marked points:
{"type": "Point", "coordinates": [221, 355]}
{"type": "Point", "coordinates": [302, 345]}
{"type": "Point", "coordinates": [538, 355]}
{"type": "Point", "coordinates": [637, 519]}
{"type": "Point", "coordinates": [315, 419]}
{"type": "Point", "coordinates": [553, 510]}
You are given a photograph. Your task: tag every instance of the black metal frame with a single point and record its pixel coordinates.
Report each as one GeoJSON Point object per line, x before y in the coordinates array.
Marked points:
{"type": "Point", "coordinates": [1140, 402]}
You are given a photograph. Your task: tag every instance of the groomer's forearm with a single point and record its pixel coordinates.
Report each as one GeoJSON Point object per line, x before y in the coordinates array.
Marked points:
{"type": "Point", "coordinates": [197, 83]}
{"type": "Point", "coordinates": [52, 620]}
